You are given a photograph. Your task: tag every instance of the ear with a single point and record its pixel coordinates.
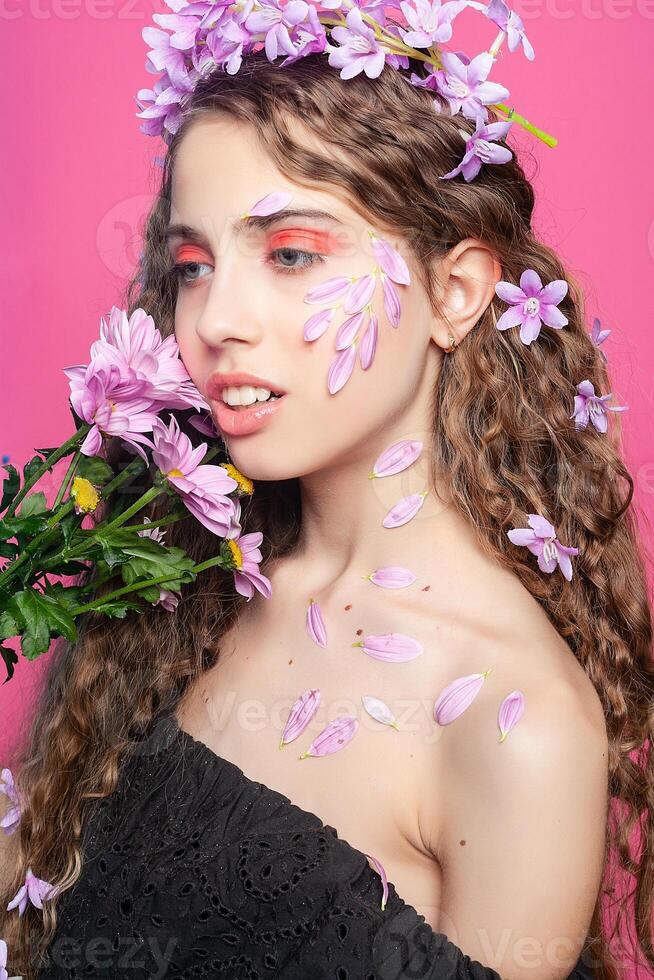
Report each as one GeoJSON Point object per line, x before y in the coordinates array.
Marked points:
{"type": "Point", "coordinates": [466, 280]}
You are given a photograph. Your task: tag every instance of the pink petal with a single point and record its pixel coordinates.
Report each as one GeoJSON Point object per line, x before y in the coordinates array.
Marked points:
{"type": "Point", "coordinates": [510, 713]}
{"type": "Point", "coordinates": [329, 290]}
{"type": "Point", "coordinates": [379, 710]}
{"type": "Point", "coordinates": [368, 346]}
{"type": "Point", "coordinates": [405, 509]}
{"type": "Point", "coordinates": [390, 647]}
{"type": "Point", "coordinates": [348, 330]}
{"type": "Point", "coordinates": [335, 736]}
{"type": "Point", "coordinates": [457, 696]}
{"type": "Point", "coordinates": [391, 261]}
{"type": "Point", "coordinates": [391, 301]}
{"type": "Point", "coordinates": [270, 204]}
{"type": "Point", "coordinates": [379, 867]}
{"type": "Point", "coordinates": [397, 457]}
{"type": "Point", "coordinates": [301, 714]}
{"type": "Point", "coordinates": [392, 577]}
{"type": "Point", "coordinates": [340, 369]}
{"type": "Point", "coordinates": [316, 624]}
{"type": "Point", "coordinates": [316, 325]}
{"type": "Point", "coordinates": [360, 293]}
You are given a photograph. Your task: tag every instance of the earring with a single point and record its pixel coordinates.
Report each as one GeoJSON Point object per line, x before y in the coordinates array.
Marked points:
{"type": "Point", "coordinates": [450, 337]}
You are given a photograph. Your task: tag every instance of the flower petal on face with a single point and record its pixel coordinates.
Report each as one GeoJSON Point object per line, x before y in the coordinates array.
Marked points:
{"type": "Point", "coordinates": [340, 369]}
{"type": "Point", "coordinates": [404, 510]}
{"type": "Point", "coordinates": [530, 282]}
{"type": "Point", "coordinates": [334, 737]}
{"type": "Point", "coordinates": [360, 293]}
{"type": "Point", "coordinates": [390, 647]}
{"type": "Point", "coordinates": [348, 330]}
{"type": "Point", "coordinates": [399, 456]}
{"type": "Point", "coordinates": [391, 301]}
{"type": "Point", "coordinates": [270, 203]}
{"type": "Point", "coordinates": [510, 712]}
{"type": "Point", "coordinates": [300, 715]}
{"type": "Point", "coordinates": [392, 577]}
{"type": "Point", "coordinates": [391, 261]}
{"type": "Point", "coordinates": [368, 346]}
{"type": "Point", "coordinates": [316, 624]}
{"type": "Point", "coordinates": [457, 696]}
{"type": "Point", "coordinates": [329, 290]}
{"type": "Point", "coordinates": [316, 325]}
{"type": "Point", "coordinates": [379, 710]}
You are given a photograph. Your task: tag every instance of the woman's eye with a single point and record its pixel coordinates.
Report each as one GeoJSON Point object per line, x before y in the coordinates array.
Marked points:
{"type": "Point", "coordinates": [287, 260]}
{"type": "Point", "coordinates": [281, 254]}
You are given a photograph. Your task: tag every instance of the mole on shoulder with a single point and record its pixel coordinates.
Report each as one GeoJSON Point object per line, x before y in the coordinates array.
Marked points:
{"type": "Point", "coordinates": [348, 607]}
{"type": "Point", "coordinates": [462, 843]}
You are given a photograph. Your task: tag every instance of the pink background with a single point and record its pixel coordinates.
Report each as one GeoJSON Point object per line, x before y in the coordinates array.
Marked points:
{"type": "Point", "coordinates": [78, 177]}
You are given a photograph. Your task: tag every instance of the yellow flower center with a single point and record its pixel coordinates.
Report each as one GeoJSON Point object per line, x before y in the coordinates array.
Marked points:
{"type": "Point", "coordinates": [237, 554]}
{"type": "Point", "coordinates": [245, 485]}
{"type": "Point", "coordinates": [174, 472]}
{"type": "Point", "coordinates": [85, 495]}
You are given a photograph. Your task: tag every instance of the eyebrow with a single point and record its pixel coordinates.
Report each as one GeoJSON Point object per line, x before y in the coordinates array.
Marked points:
{"type": "Point", "coordinates": [258, 222]}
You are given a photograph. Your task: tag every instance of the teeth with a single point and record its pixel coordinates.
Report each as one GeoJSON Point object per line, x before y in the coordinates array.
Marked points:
{"type": "Point", "coordinates": [245, 395]}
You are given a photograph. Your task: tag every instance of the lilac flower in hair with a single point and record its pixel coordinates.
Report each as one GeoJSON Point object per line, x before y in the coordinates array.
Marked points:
{"type": "Point", "coordinates": [532, 304]}
{"type": "Point", "coordinates": [509, 22]}
{"type": "Point", "coordinates": [590, 407]}
{"type": "Point", "coordinates": [274, 20]}
{"type": "Point", "coordinates": [540, 537]}
{"type": "Point", "coordinates": [431, 21]}
{"type": "Point", "coordinates": [598, 336]}
{"type": "Point", "coordinates": [480, 149]}
{"type": "Point", "coordinates": [465, 86]}
{"type": "Point", "coordinates": [359, 49]}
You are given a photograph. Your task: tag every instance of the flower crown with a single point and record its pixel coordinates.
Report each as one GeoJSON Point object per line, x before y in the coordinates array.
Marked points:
{"type": "Point", "coordinates": [202, 35]}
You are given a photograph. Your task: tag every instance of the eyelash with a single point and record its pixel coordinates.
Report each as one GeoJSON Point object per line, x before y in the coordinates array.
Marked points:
{"type": "Point", "coordinates": [309, 259]}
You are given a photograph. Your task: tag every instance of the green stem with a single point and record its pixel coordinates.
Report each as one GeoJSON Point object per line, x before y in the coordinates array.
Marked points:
{"type": "Point", "coordinates": [135, 586]}
{"type": "Point", "coordinates": [58, 454]}
{"type": "Point", "coordinates": [521, 121]}
{"type": "Point", "coordinates": [69, 474]}
{"type": "Point", "coordinates": [142, 502]}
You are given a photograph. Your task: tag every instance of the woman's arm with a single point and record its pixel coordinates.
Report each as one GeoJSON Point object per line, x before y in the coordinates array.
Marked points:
{"type": "Point", "coordinates": [521, 845]}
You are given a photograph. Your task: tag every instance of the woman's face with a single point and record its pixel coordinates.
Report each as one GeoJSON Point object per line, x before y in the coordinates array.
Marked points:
{"type": "Point", "coordinates": [241, 308]}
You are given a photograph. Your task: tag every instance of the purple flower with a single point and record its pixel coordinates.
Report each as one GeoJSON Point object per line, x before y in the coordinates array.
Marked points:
{"type": "Point", "coordinates": [274, 20]}
{"type": "Point", "coordinates": [35, 890]}
{"type": "Point", "coordinates": [509, 22]}
{"type": "Point", "coordinates": [510, 712]}
{"type": "Point", "coordinates": [203, 488]}
{"type": "Point", "coordinates": [541, 540]}
{"type": "Point", "coordinates": [315, 624]}
{"type": "Point", "coordinates": [3, 960]}
{"type": "Point", "coordinates": [465, 86]}
{"type": "Point", "coordinates": [11, 819]}
{"type": "Point", "coordinates": [167, 599]}
{"type": "Point", "coordinates": [360, 49]}
{"type": "Point", "coordinates": [480, 149]}
{"type": "Point", "coordinates": [532, 305]}
{"type": "Point", "coordinates": [591, 407]}
{"type": "Point", "coordinates": [245, 558]}
{"type": "Point", "coordinates": [598, 336]}
{"type": "Point", "coordinates": [431, 21]}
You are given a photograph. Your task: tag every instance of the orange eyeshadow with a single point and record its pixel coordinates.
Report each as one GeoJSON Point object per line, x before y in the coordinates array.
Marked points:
{"type": "Point", "coordinates": [304, 238]}
{"type": "Point", "coordinates": [191, 253]}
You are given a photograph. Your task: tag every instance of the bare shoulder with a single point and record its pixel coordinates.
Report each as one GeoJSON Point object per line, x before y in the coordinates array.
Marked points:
{"type": "Point", "coordinates": [520, 827]}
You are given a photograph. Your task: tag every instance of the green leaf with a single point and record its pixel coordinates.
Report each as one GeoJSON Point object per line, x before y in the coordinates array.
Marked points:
{"type": "Point", "coordinates": [66, 595]}
{"type": "Point", "coordinates": [150, 593]}
{"type": "Point", "coordinates": [118, 608]}
{"type": "Point", "coordinates": [8, 626]}
{"type": "Point", "coordinates": [20, 526]}
{"type": "Point", "coordinates": [95, 469]}
{"type": "Point", "coordinates": [10, 485]}
{"type": "Point", "coordinates": [69, 524]}
{"type": "Point", "coordinates": [10, 658]}
{"type": "Point", "coordinates": [8, 550]}
{"type": "Point", "coordinates": [60, 621]}
{"type": "Point", "coordinates": [34, 503]}
{"type": "Point", "coordinates": [31, 467]}
{"type": "Point", "coordinates": [36, 636]}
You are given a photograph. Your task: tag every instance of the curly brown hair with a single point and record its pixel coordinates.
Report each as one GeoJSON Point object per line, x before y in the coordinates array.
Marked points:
{"type": "Point", "coordinates": [503, 443]}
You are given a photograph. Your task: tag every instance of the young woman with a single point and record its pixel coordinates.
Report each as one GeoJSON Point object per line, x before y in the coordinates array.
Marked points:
{"type": "Point", "coordinates": [156, 796]}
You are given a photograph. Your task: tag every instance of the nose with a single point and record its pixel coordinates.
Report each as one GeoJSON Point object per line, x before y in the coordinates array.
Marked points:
{"type": "Point", "coordinates": [233, 305]}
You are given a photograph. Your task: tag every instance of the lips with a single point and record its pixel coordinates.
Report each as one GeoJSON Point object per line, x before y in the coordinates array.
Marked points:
{"type": "Point", "coordinates": [243, 421]}
{"type": "Point", "coordinates": [217, 381]}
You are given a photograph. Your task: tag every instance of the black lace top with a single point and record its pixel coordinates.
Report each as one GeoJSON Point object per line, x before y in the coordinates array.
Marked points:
{"type": "Point", "coordinates": [191, 869]}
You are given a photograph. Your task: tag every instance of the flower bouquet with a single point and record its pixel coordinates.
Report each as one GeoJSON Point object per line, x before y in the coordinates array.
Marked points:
{"type": "Point", "coordinates": [82, 536]}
